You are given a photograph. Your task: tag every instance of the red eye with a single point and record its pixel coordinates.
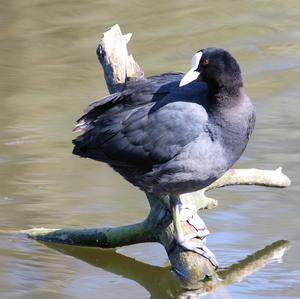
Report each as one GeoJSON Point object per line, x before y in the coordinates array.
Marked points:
{"type": "Point", "coordinates": [205, 62]}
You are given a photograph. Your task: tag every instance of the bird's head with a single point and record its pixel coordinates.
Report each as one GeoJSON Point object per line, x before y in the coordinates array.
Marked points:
{"type": "Point", "coordinates": [214, 66]}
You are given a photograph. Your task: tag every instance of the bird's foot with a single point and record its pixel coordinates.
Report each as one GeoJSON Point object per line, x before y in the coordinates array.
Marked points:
{"type": "Point", "coordinates": [196, 241]}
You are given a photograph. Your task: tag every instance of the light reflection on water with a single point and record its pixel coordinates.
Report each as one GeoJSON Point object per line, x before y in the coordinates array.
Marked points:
{"type": "Point", "coordinates": [49, 73]}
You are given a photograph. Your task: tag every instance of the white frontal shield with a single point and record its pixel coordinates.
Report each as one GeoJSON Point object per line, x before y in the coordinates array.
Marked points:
{"type": "Point", "coordinates": [192, 74]}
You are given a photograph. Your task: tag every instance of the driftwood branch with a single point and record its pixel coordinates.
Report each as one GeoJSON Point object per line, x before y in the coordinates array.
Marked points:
{"type": "Point", "coordinates": [119, 67]}
{"type": "Point", "coordinates": [252, 176]}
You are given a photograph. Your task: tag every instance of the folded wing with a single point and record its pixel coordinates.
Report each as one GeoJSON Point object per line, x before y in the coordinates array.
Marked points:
{"type": "Point", "coordinates": [142, 128]}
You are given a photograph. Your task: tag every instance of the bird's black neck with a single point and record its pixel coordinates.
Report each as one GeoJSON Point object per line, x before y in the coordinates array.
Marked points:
{"type": "Point", "coordinates": [225, 95]}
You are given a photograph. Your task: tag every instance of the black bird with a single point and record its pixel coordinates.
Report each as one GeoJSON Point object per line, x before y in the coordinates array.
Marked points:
{"type": "Point", "coordinates": [173, 133]}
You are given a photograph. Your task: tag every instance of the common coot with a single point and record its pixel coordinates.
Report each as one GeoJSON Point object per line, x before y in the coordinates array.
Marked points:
{"type": "Point", "coordinates": [173, 133]}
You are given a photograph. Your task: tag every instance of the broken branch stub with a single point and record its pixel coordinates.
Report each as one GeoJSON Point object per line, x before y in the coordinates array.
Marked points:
{"type": "Point", "coordinates": [118, 65]}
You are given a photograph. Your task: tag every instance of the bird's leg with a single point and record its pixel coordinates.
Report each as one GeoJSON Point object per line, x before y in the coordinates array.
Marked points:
{"type": "Point", "coordinates": [175, 205]}
{"type": "Point", "coordinates": [188, 212]}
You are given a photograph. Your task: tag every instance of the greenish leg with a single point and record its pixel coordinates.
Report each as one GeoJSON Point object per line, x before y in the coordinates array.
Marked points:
{"type": "Point", "coordinates": [188, 212]}
{"type": "Point", "coordinates": [175, 202]}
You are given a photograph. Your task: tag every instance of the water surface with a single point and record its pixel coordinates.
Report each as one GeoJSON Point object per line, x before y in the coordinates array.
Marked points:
{"type": "Point", "coordinates": [49, 73]}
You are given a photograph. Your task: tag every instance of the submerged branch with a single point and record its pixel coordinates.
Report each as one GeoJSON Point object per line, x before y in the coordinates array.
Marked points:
{"type": "Point", "coordinates": [238, 271]}
{"type": "Point", "coordinates": [162, 283]}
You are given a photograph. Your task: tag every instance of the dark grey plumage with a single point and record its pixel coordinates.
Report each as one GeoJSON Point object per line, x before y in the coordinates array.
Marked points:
{"type": "Point", "coordinates": [168, 139]}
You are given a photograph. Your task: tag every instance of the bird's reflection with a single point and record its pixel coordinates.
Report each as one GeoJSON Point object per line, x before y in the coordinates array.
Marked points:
{"type": "Point", "coordinates": [161, 282]}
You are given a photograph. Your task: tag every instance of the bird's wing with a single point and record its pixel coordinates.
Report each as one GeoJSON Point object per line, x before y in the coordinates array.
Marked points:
{"type": "Point", "coordinates": [141, 135]}
{"type": "Point", "coordinates": [136, 93]}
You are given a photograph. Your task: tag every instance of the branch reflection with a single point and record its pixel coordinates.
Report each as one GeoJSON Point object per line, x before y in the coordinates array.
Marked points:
{"type": "Point", "coordinates": [161, 282]}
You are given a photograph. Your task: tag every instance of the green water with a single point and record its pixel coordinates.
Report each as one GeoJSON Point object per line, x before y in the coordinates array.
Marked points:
{"type": "Point", "coordinates": [49, 72]}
